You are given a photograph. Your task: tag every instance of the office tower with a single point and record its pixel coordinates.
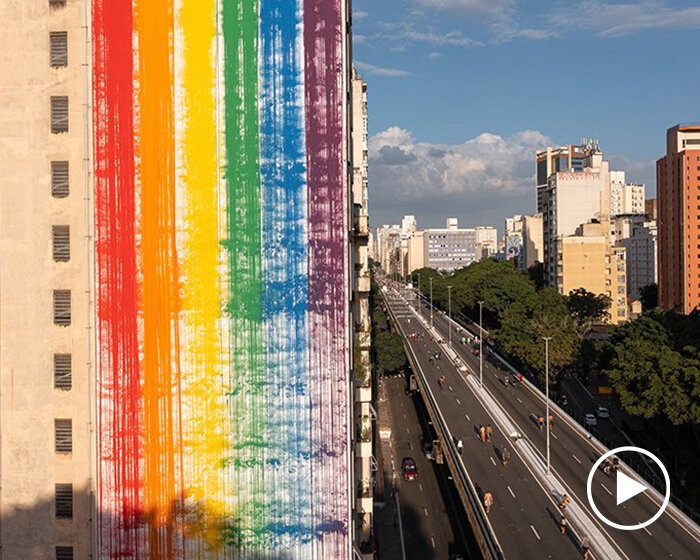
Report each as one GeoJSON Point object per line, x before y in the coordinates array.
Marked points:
{"type": "Point", "coordinates": [175, 320]}
{"type": "Point", "coordinates": [678, 194]}
{"type": "Point", "coordinates": [452, 248]}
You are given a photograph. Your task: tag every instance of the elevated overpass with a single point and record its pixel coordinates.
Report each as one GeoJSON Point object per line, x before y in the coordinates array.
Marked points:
{"type": "Point", "coordinates": [524, 521]}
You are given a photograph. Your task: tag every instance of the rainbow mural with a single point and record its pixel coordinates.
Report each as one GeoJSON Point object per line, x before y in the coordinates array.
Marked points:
{"type": "Point", "coordinates": [221, 267]}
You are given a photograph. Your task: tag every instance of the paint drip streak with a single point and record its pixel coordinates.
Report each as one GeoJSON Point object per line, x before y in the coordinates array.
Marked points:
{"type": "Point", "coordinates": [161, 383]}
{"type": "Point", "coordinates": [285, 305]}
{"type": "Point", "coordinates": [246, 401]}
{"type": "Point", "coordinates": [327, 272]}
{"type": "Point", "coordinates": [203, 411]}
{"type": "Point", "coordinates": [117, 383]}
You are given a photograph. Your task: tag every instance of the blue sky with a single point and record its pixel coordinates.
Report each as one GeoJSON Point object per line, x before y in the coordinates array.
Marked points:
{"type": "Point", "coordinates": [462, 92]}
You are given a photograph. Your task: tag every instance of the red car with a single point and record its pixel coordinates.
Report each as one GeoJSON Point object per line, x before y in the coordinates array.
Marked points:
{"type": "Point", "coordinates": [409, 469]}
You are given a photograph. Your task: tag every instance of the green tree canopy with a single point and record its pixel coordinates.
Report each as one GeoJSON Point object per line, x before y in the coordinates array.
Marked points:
{"type": "Point", "coordinates": [587, 309]}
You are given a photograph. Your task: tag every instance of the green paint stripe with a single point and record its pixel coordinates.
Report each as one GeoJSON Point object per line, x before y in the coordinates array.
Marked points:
{"type": "Point", "coordinates": [247, 400]}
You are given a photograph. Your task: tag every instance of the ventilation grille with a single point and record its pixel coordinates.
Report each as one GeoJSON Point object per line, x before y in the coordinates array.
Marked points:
{"type": "Point", "coordinates": [64, 553]}
{"type": "Point", "coordinates": [59, 114]}
{"type": "Point", "coordinates": [64, 501]}
{"type": "Point", "coordinates": [59, 179]}
{"type": "Point", "coordinates": [59, 48]}
{"type": "Point", "coordinates": [64, 435]}
{"type": "Point", "coordinates": [61, 307]}
{"type": "Point", "coordinates": [61, 243]}
{"type": "Point", "coordinates": [63, 372]}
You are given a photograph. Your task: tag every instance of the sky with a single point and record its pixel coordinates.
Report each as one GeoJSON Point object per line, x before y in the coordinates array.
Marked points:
{"type": "Point", "coordinates": [463, 92]}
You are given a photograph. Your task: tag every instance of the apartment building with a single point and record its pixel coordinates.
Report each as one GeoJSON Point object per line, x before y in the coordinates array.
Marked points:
{"type": "Point", "coordinates": [638, 235]}
{"type": "Point", "coordinates": [524, 239]}
{"type": "Point", "coordinates": [678, 194]}
{"type": "Point", "coordinates": [452, 248]}
{"type": "Point", "coordinates": [45, 281]}
{"type": "Point", "coordinates": [625, 198]}
{"type": "Point", "coordinates": [589, 260]}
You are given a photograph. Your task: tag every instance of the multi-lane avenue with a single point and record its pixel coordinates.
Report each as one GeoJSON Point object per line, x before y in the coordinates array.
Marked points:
{"type": "Point", "coordinates": [526, 515]}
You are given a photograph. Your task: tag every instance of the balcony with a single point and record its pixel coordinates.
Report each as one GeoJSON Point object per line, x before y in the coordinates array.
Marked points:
{"type": "Point", "coordinates": [363, 393]}
{"type": "Point", "coordinates": [362, 225]}
{"type": "Point", "coordinates": [362, 283]}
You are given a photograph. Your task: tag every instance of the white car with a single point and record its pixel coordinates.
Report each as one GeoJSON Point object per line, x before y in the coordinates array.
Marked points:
{"type": "Point", "coordinates": [591, 420]}
{"type": "Point", "coordinates": [602, 412]}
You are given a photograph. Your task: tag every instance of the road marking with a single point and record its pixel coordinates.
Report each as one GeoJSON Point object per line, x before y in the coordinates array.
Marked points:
{"type": "Point", "coordinates": [425, 510]}
{"type": "Point", "coordinates": [450, 386]}
{"type": "Point", "coordinates": [534, 531]}
{"type": "Point", "coordinates": [511, 492]}
{"type": "Point", "coordinates": [647, 531]}
{"type": "Point", "coordinates": [555, 437]}
{"type": "Point", "coordinates": [420, 486]}
{"type": "Point", "coordinates": [432, 540]}
{"type": "Point", "coordinates": [521, 402]}
{"type": "Point", "coordinates": [577, 459]}
{"type": "Point", "coordinates": [494, 462]}
{"type": "Point", "coordinates": [468, 419]}
{"type": "Point", "coordinates": [459, 403]}
{"type": "Point", "coordinates": [409, 431]}
{"type": "Point", "coordinates": [608, 491]}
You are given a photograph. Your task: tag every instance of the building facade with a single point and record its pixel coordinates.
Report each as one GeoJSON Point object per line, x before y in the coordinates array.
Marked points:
{"type": "Point", "coordinates": [452, 248]}
{"type": "Point", "coordinates": [526, 239]}
{"type": "Point", "coordinates": [678, 194]}
{"type": "Point", "coordinates": [625, 198]}
{"type": "Point", "coordinates": [589, 260]}
{"type": "Point", "coordinates": [638, 235]}
{"type": "Point", "coordinates": [177, 310]}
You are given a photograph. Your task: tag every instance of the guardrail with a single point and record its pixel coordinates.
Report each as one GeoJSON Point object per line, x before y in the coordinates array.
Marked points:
{"type": "Point", "coordinates": [485, 536]}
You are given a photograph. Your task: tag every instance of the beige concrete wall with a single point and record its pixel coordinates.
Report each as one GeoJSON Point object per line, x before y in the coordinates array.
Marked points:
{"type": "Point", "coordinates": [28, 275]}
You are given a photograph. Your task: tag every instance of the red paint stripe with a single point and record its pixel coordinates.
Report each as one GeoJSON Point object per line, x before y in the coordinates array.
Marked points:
{"type": "Point", "coordinates": [119, 484]}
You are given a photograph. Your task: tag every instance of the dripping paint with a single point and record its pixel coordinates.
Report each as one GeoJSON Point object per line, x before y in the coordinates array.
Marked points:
{"type": "Point", "coordinates": [222, 320]}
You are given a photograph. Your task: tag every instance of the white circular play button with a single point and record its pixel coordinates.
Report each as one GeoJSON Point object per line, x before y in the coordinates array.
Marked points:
{"type": "Point", "coordinates": [628, 487]}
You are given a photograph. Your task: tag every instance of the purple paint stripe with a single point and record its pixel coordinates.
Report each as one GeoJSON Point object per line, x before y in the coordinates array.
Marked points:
{"type": "Point", "coordinates": [328, 268]}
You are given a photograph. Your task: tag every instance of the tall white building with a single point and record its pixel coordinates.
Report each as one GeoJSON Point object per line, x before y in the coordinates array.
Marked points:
{"type": "Point", "coordinates": [453, 247]}
{"type": "Point", "coordinates": [638, 235]}
{"type": "Point", "coordinates": [625, 198]}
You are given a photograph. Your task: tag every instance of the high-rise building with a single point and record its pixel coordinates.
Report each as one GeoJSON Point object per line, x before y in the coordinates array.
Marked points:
{"type": "Point", "coordinates": [416, 251]}
{"type": "Point", "coordinates": [625, 198]}
{"type": "Point", "coordinates": [389, 248]}
{"type": "Point", "coordinates": [651, 208]}
{"type": "Point", "coordinates": [572, 198]}
{"type": "Point", "coordinates": [453, 247]}
{"type": "Point", "coordinates": [678, 193]}
{"type": "Point", "coordinates": [361, 367]}
{"type": "Point", "coordinates": [178, 287]}
{"type": "Point", "coordinates": [552, 160]}
{"type": "Point", "coordinates": [638, 235]}
{"type": "Point", "coordinates": [588, 259]}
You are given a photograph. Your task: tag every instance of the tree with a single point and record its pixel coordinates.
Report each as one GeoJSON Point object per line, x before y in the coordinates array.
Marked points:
{"type": "Point", "coordinates": [526, 323]}
{"type": "Point", "coordinates": [587, 309]}
{"type": "Point", "coordinates": [536, 275]}
{"type": "Point", "coordinates": [390, 354]}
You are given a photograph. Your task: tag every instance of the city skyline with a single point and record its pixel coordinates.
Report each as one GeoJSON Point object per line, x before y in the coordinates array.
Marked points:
{"type": "Point", "coordinates": [453, 60]}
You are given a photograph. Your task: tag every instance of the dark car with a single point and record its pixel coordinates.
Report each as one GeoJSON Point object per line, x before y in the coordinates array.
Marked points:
{"type": "Point", "coordinates": [409, 469]}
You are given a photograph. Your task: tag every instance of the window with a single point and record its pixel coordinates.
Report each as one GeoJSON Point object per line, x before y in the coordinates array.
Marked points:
{"type": "Point", "coordinates": [61, 307]}
{"type": "Point", "coordinates": [57, 4]}
{"type": "Point", "coordinates": [63, 431]}
{"type": "Point", "coordinates": [59, 179]}
{"type": "Point", "coordinates": [59, 114]}
{"type": "Point", "coordinates": [62, 372]}
{"type": "Point", "coordinates": [59, 48]}
{"type": "Point", "coordinates": [64, 501]}
{"type": "Point", "coordinates": [61, 243]}
{"type": "Point", "coordinates": [64, 553]}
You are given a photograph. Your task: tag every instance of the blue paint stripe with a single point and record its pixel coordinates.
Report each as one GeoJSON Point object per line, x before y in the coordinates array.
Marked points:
{"type": "Point", "coordinates": [285, 283]}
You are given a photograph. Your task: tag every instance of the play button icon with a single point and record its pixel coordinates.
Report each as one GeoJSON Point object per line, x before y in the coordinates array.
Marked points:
{"type": "Point", "coordinates": [627, 488]}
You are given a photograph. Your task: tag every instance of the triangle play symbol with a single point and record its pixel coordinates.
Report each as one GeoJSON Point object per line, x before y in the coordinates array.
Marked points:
{"type": "Point", "coordinates": [627, 488]}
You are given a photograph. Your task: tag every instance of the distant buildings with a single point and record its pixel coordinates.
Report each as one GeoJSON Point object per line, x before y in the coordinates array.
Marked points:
{"type": "Point", "coordinates": [638, 235]}
{"type": "Point", "coordinates": [524, 240]}
{"type": "Point", "coordinates": [678, 192]}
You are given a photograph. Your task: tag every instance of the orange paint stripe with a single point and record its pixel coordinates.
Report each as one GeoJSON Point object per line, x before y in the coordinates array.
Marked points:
{"type": "Point", "coordinates": [160, 305]}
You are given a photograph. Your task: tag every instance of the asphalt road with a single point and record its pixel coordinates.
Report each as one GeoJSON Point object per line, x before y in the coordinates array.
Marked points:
{"type": "Point", "coordinates": [524, 516]}
{"type": "Point", "coordinates": [432, 518]}
{"type": "Point", "coordinates": [572, 457]}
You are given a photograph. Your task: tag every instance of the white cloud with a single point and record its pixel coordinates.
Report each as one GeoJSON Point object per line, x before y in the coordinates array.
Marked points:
{"type": "Point", "coordinates": [359, 14]}
{"type": "Point", "coordinates": [373, 70]}
{"type": "Point", "coordinates": [488, 165]}
{"type": "Point", "coordinates": [434, 55]}
{"type": "Point", "coordinates": [489, 10]}
{"type": "Point", "coordinates": [615, 20]}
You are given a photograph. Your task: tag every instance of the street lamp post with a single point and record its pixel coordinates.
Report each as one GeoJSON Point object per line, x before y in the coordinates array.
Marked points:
{"type": "Point", "coordinates": [546, 384]}
{"type": "Point", "coordinates": [449, 316]}
{"type": "Point", "coordinates": [418, 295]}
{"type": "Point", "coordinates": [481, 346]}
{"type": "Point", "coordinates": [431, 302]}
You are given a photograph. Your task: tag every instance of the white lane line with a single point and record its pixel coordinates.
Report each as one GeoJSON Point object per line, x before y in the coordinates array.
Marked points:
{"type": "Point", "coordinates": [608, 491]}
{"type": "Point", "coordinates": [468, 419]}
{"type": "Point", "coordinates": [458, 402]}
{"type": "Point", "coordinates": [521, 402]}
{"type": "Point", "coordinates": [511, 492]}
{"type": "Point", "coordinates": [432, 540]}
{"type": "Point", "coordinates": [409, 431]}
{"type": "Point", "coordinates": [420, 486]}
{"type": "Point", "coordinates": [425, 510]}
{"type": "Point", "coordinates": [450, 386]}
{"type": "Point", "coordinates": [577, 459]}
{"type": "Point", "coordinates": [554, 436]}
{"type": "Point", "coordinates": [533, 530]}
{"type": "Point", "coordinates": [494, 462]}
{"type": "Point", "coordinates": [647, 531]}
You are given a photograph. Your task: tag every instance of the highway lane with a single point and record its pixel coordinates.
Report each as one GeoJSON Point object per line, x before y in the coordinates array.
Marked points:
{"type": "Point", "coordinates": [572, 457]}
{"type": "Point", "coordinates": [525, 518]}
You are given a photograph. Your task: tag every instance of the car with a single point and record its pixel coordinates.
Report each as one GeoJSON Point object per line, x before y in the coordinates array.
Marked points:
{"type": "Point", "coordinates": [409, 469]}
{"type": "Point", "coordinates": [602, 412]}
{"type": "Point", "coordinates": [428, 450]}
{"type": "Point", "coordinates": [591, 420]}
